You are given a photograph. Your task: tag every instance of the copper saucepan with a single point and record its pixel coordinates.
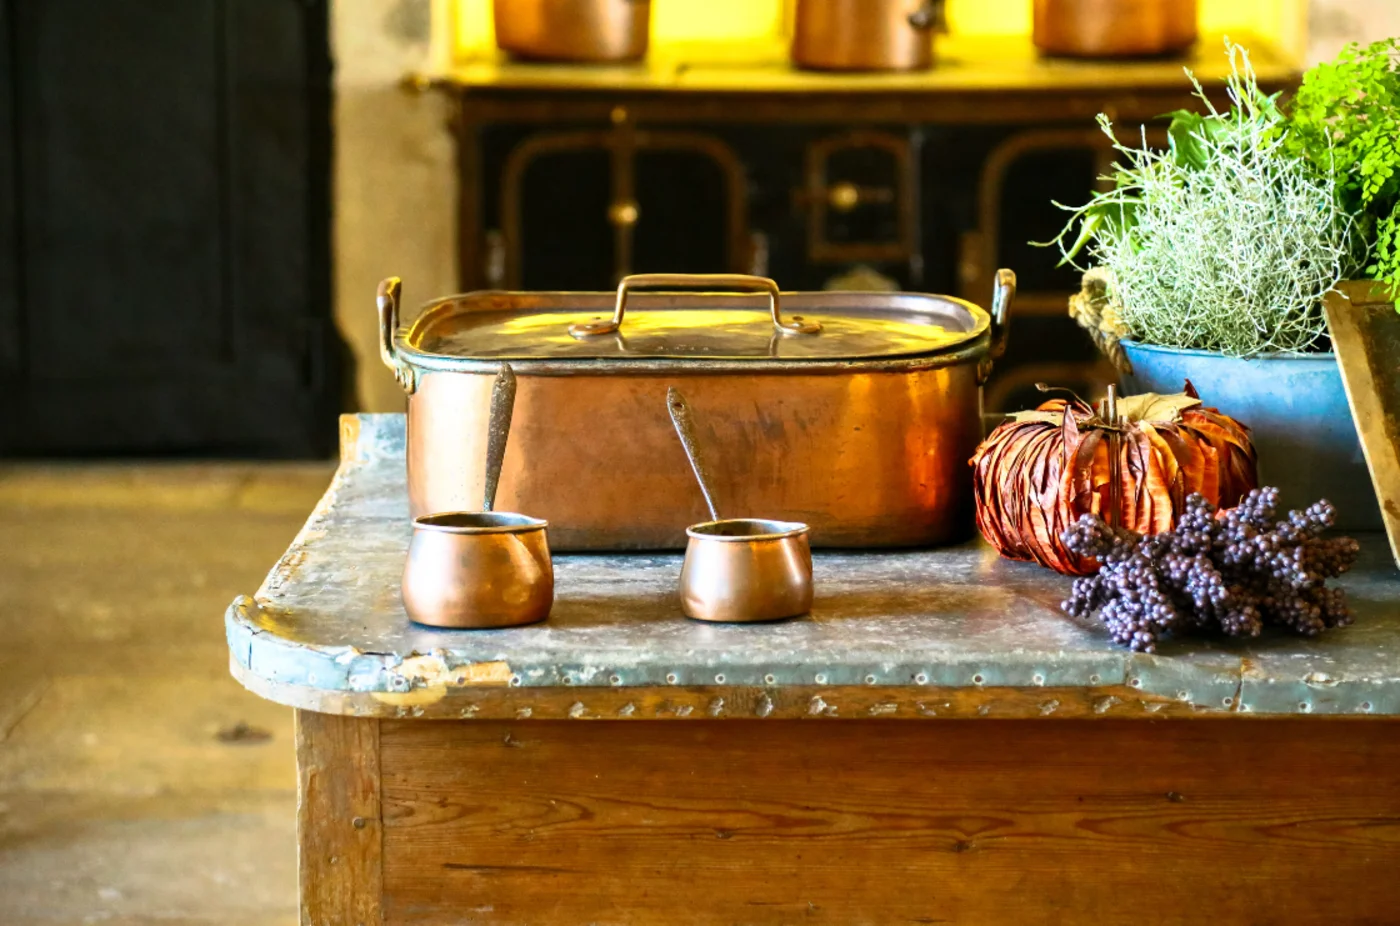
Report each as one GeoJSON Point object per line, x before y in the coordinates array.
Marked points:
{"type": "Point", "coordinates": [1113, 28]}
{"type": "Point", "coordinates": [481, 569]}
{"type": "Point", "coordinates": [573, 30]}
{"type": "Point", "coordinates": [740, 569]}
{"type": "Point", "coordinates": [866, 35]}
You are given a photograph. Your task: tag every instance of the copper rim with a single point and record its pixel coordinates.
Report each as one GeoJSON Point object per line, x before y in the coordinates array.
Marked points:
{"type": "Point", "coordinates": [739, 530]}
{"type": "Point", "coordinates": [478, 522]}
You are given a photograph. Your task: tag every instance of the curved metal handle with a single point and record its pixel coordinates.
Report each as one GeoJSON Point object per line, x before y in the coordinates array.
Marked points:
{"type": "Point", "coordinates": [721, 281]}
{"type": "Point", "coordinates": [1002, 293]}
{"type": "Point", "coordinates": [388, 301]}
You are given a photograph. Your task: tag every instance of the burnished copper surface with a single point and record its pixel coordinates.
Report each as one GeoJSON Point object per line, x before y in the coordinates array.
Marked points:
{"type": "Point", "coordinates": [1114, 28]}
{"type": "Point", "coordinates": [868, 459]}
{"type": "Point", "coordinates": [865, 35]}
{"type": "Point", "coordinates": [868, 452]}
{"type": "Point", "coordinates": [478, 569]}
{"type": "Point", "coordinates": [573, 30]}
{"type": "Point", "coordinates": [747, 570]}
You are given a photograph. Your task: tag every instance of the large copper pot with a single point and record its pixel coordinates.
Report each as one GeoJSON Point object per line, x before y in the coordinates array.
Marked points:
{"type": "Point", "coordinates": [855, 413]}
{"type": "Point", "coordinates": [1114, 28]}
{"type": "Point", "coordinates": [866, 35]}
{"type": "Point", "coordinates": [573, 30]}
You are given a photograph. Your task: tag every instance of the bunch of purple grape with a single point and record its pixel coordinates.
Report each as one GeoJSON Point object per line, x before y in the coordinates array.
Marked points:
{"type": "Point", "coordinates": [1236, 573]}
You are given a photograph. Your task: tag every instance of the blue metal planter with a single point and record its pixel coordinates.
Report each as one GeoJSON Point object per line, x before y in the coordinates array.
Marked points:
{"type": "Point", "coordinates": [1297, 409]}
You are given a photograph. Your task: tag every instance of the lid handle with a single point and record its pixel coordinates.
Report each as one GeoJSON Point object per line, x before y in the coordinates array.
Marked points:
{"type": "Point", "coordinates": [715, 282]}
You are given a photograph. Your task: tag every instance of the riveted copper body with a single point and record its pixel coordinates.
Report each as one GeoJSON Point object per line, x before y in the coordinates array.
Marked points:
{"type": "Point", "coordinates": [861, 428]}
{"type": "Point", "coordinates": [866, 35]}
{"type": "Point", "coordinates": [747, 570]}
{"type": "Point", "coordinates": [478, 569]}
{"type": "Point", "coordinates": [1114, 28]}
{"type": "Point", "coordinates": [573, 30]}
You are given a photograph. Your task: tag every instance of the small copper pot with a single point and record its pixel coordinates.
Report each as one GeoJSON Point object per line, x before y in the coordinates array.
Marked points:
{"type": "Point", "coordinates": [747, 570]}
{"type": "Point", "coordinates": [478, 569]}
{"type": "Point", "coordinates": [1114, 28]}
{"type": "Point", "coordinates": [866, 35]}
{"type": "Point", "coordinates": [573, 30]}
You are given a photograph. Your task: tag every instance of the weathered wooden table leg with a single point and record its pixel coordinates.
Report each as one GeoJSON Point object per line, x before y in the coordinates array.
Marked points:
{"type": "Point", "coordinates": [540, 822]}
{"type": "Point", "coordinates": [339, 823]}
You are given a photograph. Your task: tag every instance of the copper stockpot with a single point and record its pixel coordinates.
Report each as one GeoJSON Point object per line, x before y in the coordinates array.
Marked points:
{"type": "Point", "coordinates": [746, 570]}
{"type": "Point", "coordinates": [861, 429]}
{"type": "Point", "coordinates": [1114, 28]}
{"type": "Point", "coordinates": [478, 569]}
{"type": "Point", "coordinates": [573, 30]}
{"type": "Point", "coordinates": [866, 35]}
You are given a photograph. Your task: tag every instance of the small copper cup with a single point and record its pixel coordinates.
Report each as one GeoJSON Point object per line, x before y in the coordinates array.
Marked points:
{"type": "Point", "coordinates": [747, 570]}
{"type": "Point", "coordinates": [478, 569]}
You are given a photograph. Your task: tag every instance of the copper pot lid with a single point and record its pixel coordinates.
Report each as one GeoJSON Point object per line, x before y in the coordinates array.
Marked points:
{"type": "Point", "coordinates": [763, 324]}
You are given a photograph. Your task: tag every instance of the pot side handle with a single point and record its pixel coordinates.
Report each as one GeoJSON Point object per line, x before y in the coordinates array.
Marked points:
{"type": "Point", "coordinates": [1003, 292]}
{"type": "Point", "coordinates": [387, 302]}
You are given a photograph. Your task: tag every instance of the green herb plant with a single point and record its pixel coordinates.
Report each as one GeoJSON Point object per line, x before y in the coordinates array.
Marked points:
{"type": "Point", "coordinates": [1346, 119]}
{"type": "Point", "coordinates": [1226, 241]}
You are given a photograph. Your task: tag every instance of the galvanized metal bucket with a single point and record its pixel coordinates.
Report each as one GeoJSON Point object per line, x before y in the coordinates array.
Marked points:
{"type": "Point", "coordinates": [1297, 410]}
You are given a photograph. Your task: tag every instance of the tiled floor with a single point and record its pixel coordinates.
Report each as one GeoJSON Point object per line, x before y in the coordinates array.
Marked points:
{"type": "Point", "coordinates": [139, 784]}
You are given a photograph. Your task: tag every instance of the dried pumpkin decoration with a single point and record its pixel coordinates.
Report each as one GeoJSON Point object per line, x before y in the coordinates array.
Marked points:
{"type": "Point", "coordinates": [1038, 472]}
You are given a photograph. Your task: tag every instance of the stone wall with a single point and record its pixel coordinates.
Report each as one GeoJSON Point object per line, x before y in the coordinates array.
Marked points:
{"type": "Point", "coordinates": [1334, 23]}
{"type": "Point", "coordinates": [395, 198]}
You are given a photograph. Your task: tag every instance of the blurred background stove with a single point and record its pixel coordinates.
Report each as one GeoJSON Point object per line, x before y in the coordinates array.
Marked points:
{"type": "Point", "coordinates": [195, 206]}
{"type": "Point", "coordinates": [924, 180]}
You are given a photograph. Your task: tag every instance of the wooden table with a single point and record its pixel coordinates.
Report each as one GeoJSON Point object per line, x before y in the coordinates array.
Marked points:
{"type": "Point", "coordinates": [621, 764]}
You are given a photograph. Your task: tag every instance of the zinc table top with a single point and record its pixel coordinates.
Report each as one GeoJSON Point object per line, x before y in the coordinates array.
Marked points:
{"type": "Point", "coordinates": [949, 632]}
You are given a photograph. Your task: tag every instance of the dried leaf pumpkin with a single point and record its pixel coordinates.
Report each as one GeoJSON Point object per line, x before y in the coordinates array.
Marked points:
{"type": "Point", "coordinates": [1038, 472]}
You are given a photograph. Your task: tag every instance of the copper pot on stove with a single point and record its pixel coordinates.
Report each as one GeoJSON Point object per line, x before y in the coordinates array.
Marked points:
{"type": "Point", "coordinates": [866, 35]}
{"type": "Point", "coordinates": [1114, 28]}
{"type": "Point", "coordinates": [573, 30]}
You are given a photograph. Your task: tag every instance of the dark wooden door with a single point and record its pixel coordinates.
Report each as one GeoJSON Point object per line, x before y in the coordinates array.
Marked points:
{"type": "Point", "coordinates": [164, 228]}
